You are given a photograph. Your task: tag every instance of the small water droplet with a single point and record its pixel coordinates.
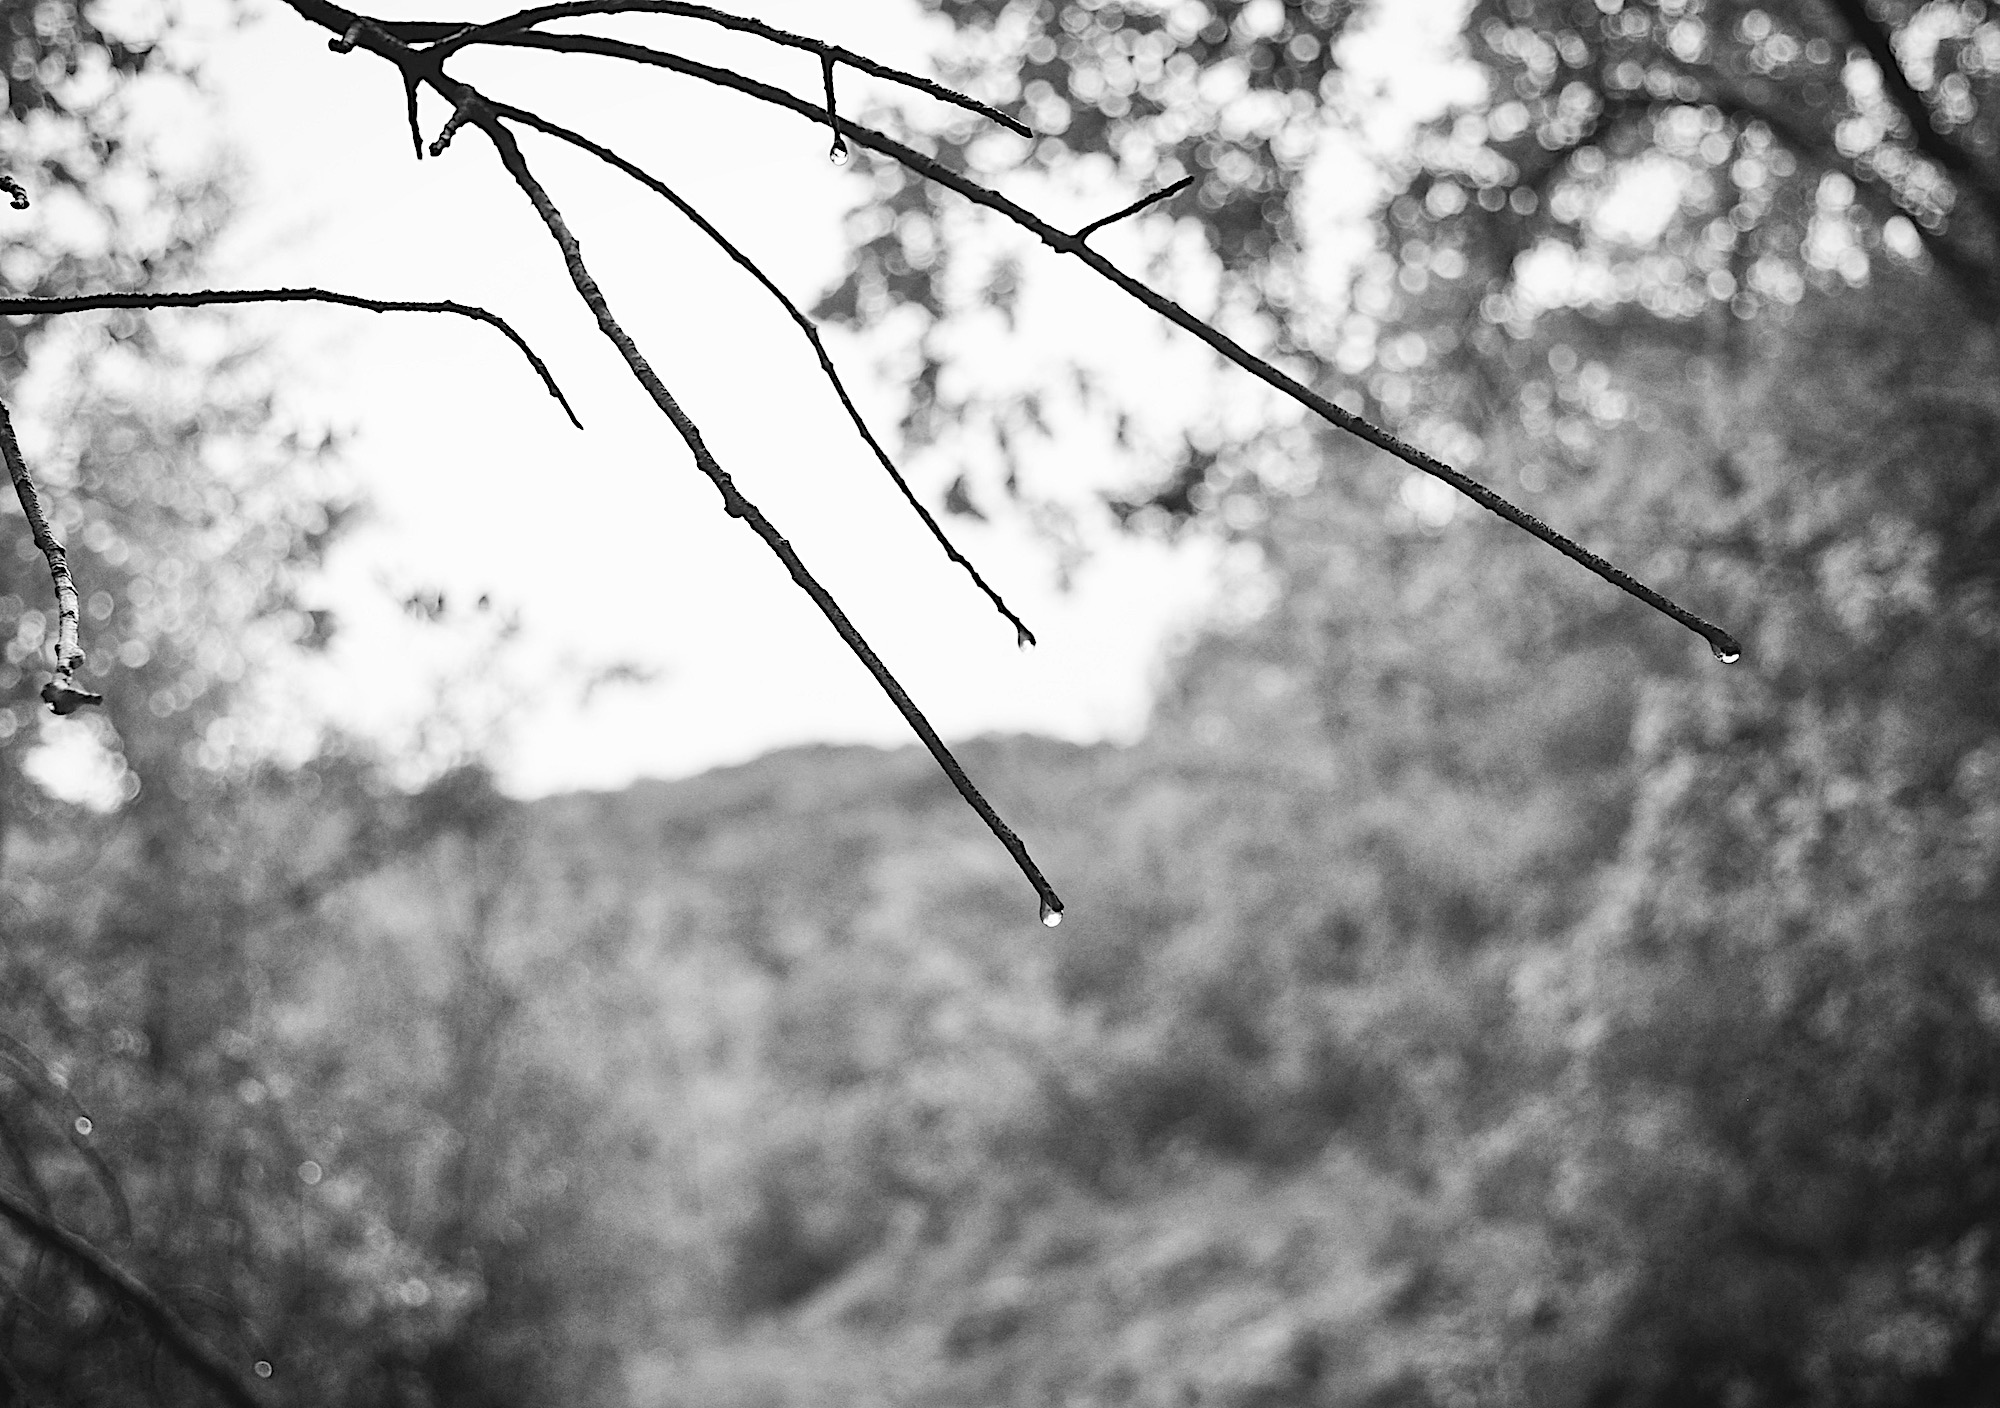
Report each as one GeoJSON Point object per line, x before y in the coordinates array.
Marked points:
{"type": "Point", "coordinates": [1725, 654]}
{"type": "Point", "coordinates": [837, 153]}
{"type": "Point", "coordinates": [1023, 639]}
{"type": "Point", "coordinates": [310, 1173]}
{"type": "Point", "coordinates": [84, 1126]}
{"type": "Point", "coordinates": [263, 1368]}
{"type": "Point", "coordinates": [1051, 916]}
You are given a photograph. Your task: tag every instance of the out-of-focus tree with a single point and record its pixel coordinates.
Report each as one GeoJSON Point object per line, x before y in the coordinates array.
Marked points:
{"type": "Point", "coordinates": [1680, 965]}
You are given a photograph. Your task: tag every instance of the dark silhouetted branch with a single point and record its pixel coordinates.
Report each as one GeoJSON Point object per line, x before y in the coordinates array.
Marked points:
{"type": "Point", "coordinates": [17, 194]}
{"type": "Point", "coordinates": [828, 53]}
{"type": "Point", "coordinates": [62, 693]}
{"type": "Point", "coordinates": [792, 310]}
{"type": "Point", "coordinates": [216, 297]}
{"type": "Point", "coordinates": [1135, 207]}
{"type": "Point", "coordinates": [733, 501]}
{"type": "Point", "coordinates": [1724, 646]}
{"type": "Point", "coordinates": [200, 1358]}
{"type": "Point", "coordinates": [837, 153]}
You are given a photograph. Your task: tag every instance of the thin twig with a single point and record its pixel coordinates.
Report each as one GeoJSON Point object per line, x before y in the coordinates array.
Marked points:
{"type": "Point", "coordinates": [1720, 641]}
{"type": "Point", "coordinates": [428, 66]}
{"type": "Point", "coordinates": [62, 693]}
{"type": "Point", "coordinates": [213, 297]}
{"type": "Point", "coordinates": [17, 194]}
{"type": "Point", "coordinates": [828, 53]}
{"type": "Point", "coordinates": [837, 153]}
{"type": "Point", "coordinates": [797, 315]}
{"type": "Point", "coordinates": [200, 1357]}
{"type": "Point", "coordinates": [733, 501]}
{"type": "Point", "coordinates": [1135, 207]}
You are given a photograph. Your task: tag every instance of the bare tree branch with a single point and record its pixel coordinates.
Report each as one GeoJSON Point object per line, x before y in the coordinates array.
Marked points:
{"type": "Point", "coordinates": [1724, 646]}
{"type": "Point", "coordinates": [61, 693]}
{"type": "Point", "coordinates": [733, 501]}
{"type": "Point", "coordinates": [1135, 207]}
{"type": "Point", "coordinates": [201, 1358]}
{"type": "Point", "coordinates": [805, 325]}
{"type": "Point", "coordinates": [837, 153]}
{"type": "Point", "coordinates": [828, 53]}
{"type": "Point", "coordinates": [214, 297]}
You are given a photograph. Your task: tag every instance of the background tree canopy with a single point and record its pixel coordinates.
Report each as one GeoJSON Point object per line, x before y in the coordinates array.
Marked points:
{"type": "Point", "coordinates": [1470, 994]}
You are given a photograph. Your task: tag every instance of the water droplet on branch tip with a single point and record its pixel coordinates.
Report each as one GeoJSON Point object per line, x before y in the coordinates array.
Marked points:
{"type": "Point", "coordinates": [84, 1126]}
{"type": "Point", "coordinates": [1051, 916]}
{"type": "Point", "coordinates": [1727, 654]}
{"type": "Point", "coordinates": [837, 153]}
{"type": "Point", "coordinates": [1024, 640]}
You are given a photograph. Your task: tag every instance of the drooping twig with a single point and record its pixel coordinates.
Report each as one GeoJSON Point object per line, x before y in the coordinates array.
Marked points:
{"type": "Point", "coordinates": [1135, 207]}
{"type": "Point", "coordinates": [201, 1358]}
{"type": "Point", "coordinates": [1721, 643]}
{"type": "Point", "coordinates": [733, 501]}
{"type": "Point", "coordinates": [61, 693]}
{"type": "Point", "coordinates": [797, 315]}
{"type": "Point", "coordinates": [214, 297]}
{"type": "Point", "coordinates": [460, 36]}
{"type": "Point", "coordinates": [17, 194]}
{"type": "Point", "coordinates": [837, 153]}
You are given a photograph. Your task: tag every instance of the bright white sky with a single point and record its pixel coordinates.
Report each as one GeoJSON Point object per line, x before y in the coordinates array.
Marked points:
{"type": "Point", "coordinates": [609, 543]}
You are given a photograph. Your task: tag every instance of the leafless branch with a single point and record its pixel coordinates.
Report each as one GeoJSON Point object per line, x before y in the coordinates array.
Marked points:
{"type": "Point", "coordinates": [17, 194]}
{"type": "Point", "coordinates": [62, 693]}
{"type": "Point", "coordinates": [459, 37]}
{"type": "Point", "coordinates": [733, 501]}
{"type": "Point", "coordinates": [1721, 643]}
{"type": "Point", "coordinates": [214, 297]}
{"type": "Point", "coordinates": [1135, 207]}
{"type": "Point", "coordinates": [200, 1358]}
{"type": "Point", "coordinates": [837, 153]}
{"type": "Point", "coordinates": [792, 310]}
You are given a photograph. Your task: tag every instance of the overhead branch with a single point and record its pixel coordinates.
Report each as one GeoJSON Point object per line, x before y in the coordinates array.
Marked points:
{"type": "Point", "coordinates": [828, 53]}
{"type": "Point", "coordinates": [733, 501]}
{"type": "Point", "coordinates": [62, 693]}
{"type": "Point", "coordinates": [1145, 202]}
{"type": "Point", "coordinates": [797, 315]}
{"type": "Point", "coordinates": [1721, 643]}
{"type": "Point", "coordinates": [200, 1358]}
{"type": "Point", "coordinates": [216, 297]}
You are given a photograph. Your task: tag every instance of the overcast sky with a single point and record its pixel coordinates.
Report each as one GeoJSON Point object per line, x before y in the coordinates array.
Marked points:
{"type": "Point", "coordinates": [609, 544]}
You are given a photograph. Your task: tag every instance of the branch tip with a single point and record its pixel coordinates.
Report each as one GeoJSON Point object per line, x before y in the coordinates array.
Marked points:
{"type": "Point", "coordinates": [1135, 207]}
{"type": "Point", "coordinates": [1024, 636]}
{"type": "Point", "coordinates": [207, 298]}
{"type": "Point", "coordinates": [733, 500]}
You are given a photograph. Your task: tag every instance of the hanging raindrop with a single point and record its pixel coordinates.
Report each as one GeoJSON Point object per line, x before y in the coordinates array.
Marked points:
{"type": "Point", "coordinates": [1051, 916]}
{"type": "Point", "coordinates": [84, 1126]}
{"type": "Point", "coordinates": [837, 153]}
{"type": "Point", "coordinates": [1023, 639]}
{"type": "Point", "coordinates": [1727, 654]}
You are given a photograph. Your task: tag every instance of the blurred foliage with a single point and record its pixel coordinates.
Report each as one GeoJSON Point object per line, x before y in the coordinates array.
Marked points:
{"type": "Point", "coordinates": [1470, 992]}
